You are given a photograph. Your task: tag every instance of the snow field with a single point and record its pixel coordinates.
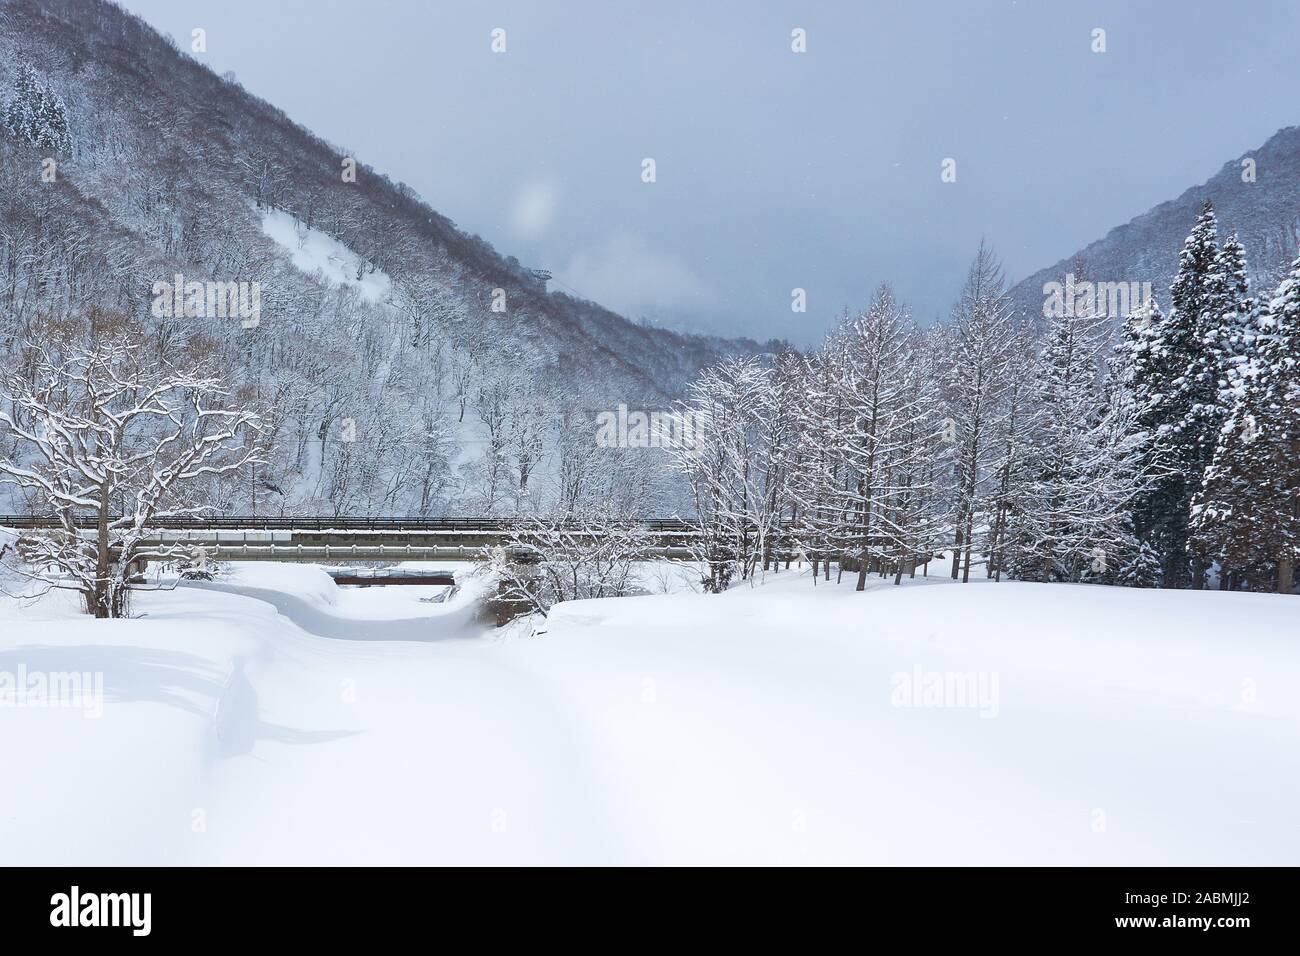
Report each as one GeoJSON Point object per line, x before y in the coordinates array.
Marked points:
{"type": "Point", "coordinates": [765, 725]}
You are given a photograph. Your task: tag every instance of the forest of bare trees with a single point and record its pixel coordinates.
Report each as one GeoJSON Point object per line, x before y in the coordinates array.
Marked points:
{"type": "Point", "coordinates": [1158, 453]}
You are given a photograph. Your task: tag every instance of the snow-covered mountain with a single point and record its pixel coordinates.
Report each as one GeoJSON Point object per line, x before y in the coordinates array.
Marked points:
{"type": "Point", "coordinates": [374, 308]}
{"type": "Point", "coordinates": [1254, 195]}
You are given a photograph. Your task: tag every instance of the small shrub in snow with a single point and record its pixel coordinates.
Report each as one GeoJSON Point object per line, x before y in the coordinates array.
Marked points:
{"type": "Point", "coordinates": [572, 557]}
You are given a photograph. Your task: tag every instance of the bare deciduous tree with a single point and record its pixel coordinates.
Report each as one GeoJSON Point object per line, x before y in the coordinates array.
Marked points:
{"type": "Point", "coordinates": [100, 423]}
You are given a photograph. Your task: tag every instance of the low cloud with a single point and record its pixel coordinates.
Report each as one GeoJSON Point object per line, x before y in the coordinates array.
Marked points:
{"type": "Point", "coordinates": [626, 275]}
{"type": "Point", "coordinates": [533, 210]}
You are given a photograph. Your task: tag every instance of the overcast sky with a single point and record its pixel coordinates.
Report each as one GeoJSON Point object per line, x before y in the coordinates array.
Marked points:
{"type": "Point", "coordinates": [775, 169]}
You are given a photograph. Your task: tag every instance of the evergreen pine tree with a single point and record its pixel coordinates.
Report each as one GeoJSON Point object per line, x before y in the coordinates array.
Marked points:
{"type": "Point", "coordinates": [20, 118]}
{"type": "Point", "coordinates": [51, 127]}
{"type": "Point", "coordinates": [1247, 511]}
{"type": "Point", "coordinates": [1240, 323]}
{"type": "Point", "coordinates": [1200, 300]}
{"type": "Point", "coordinates": [1177, 372]}
{"type": "Point", "coordinates": [37, 115]}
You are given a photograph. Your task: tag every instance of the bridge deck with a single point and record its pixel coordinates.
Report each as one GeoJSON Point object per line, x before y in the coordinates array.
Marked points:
{"type": "Point", "coordinates": [321, 540]}
{"type": "Point", "coordinates": [336, 525]}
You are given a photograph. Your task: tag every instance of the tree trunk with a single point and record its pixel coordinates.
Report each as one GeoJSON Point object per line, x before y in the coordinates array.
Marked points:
{"type": "Point", "coordinates": [970, 538]}
{"type": "Point", "coordinates": [99, 598]}
{"type": "Point", "coordinates": [866, 547]}
{"type": "Point", "coordinates": [956, 550]}
{"type": "Point", "coordinates": [1285, 573]}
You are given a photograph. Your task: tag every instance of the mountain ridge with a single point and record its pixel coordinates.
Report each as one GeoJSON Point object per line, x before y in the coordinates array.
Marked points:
{"type": "Point", "coordinates": [449, 383]}
{"type": "Point", "coordinates": [1263, 213]}
{"type": "Point", "coordinates": [97, 36]}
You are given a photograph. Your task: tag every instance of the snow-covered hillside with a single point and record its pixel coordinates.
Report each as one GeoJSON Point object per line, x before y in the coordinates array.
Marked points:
{"type": "Point", "coordinates": [768, 725]}
{"type": "Point", "coordinates": [318, 253]}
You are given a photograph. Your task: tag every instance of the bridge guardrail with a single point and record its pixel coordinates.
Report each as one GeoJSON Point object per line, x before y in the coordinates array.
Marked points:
{"type": "Point", "coordinates": [316, 523]}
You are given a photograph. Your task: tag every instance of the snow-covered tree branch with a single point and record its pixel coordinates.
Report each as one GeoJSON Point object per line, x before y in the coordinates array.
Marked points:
{"type": "Point", "coordinates": [109, 441]}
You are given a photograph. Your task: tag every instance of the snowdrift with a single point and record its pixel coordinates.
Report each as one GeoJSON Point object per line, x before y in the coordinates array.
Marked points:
{"type": "Point", "coordinates": [765, 725]}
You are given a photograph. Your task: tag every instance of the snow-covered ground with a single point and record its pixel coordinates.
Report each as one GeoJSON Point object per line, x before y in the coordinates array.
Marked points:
{"type": "Point", "coordinates": [773, 724]}
{"type": "Point", "coordinates": [319, 253]}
